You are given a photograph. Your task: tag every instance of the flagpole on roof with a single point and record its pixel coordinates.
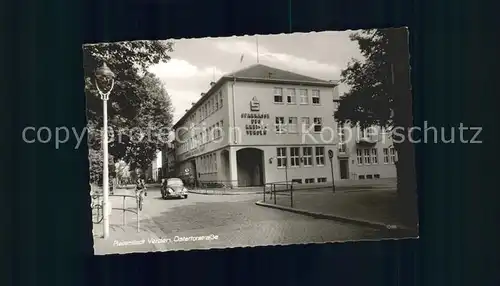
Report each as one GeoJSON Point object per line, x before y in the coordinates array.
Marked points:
{"type": "Point", "coordinates": [257, 43]}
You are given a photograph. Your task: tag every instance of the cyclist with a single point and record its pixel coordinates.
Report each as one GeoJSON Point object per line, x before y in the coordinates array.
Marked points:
{"type": "Point", "coordinates": [140, 185]}
{"type": "Point", "coordinates": [140, 189]}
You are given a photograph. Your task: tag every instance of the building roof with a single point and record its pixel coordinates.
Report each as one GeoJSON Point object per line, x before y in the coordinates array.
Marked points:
{"type": "Point", "coordinates": [259, 73]}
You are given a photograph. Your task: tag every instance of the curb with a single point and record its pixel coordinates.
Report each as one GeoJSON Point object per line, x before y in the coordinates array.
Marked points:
{"type": "Point", "coordinates": [224, 193]}
{"type": "Point", "coordinates": [347, 190]}
{"type": "Point", "coordinates": [335, 217]}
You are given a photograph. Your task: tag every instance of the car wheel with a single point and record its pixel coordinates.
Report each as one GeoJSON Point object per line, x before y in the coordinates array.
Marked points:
{"type": "Point", "coordinates": [185, 196]}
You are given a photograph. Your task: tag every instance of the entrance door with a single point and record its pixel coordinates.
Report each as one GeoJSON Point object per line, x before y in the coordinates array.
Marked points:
{"type": "Point", "coordinates": [344, 169]}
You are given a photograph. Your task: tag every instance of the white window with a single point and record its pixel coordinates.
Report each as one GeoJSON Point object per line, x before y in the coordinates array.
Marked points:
{"type": "Point", "coordinates": [278, 95]}
{"type": "Point", "coordinates": [294, 156]}
{"type": "Point", "coordinates": [210, 134]}
{"type": "Point", "coordinates": [221, 100]}
{"type": "Point", "coordinates": [217, 101]}
{"type": "Point", "coordinates": [320, 156]}
{"type": "Point", "coordinates": [315, 97]}
{"type": "Point", "coordinates": [281, 157]}
{"type": "Point", "coordinates": [217, 130]}
{"type": "Point", "coordinates": [359, 156]}
{"type": "Point", "coordinates": [304, 123]}
{"type": "Point", "coordinates": [386, 155]}
{"type": "Point", "coordinates": [292, 124]}
{"type": "Point", "coordinates": [304, 97]}
{"type": "Point", "coordinates": [214, 109]}
{"type": "Point", "coordinates": [362, 132]}
{"type": "Point", "coordinates": [318, 124]}
{"type": "Point", "coordinates": [280, 122]}
{"type": "Point", "coordinates": [366, 153]}
{"type": "Point", "coordinates": [393, 155]}
{"type": "Point", "coordinates": [291, 98]}
{"type": "Point", "coordinates": [309, 181]}
{"type": "Point", "coordinates": [341, 133]}
{"type": "Point", "coordinates": [321, 180]}
{"type": "Point", "coordinates": [307, 154]}
{"type": "Point", "coordinates": [374, 156]}
{"type": "Point", "coordinates": [367, 132]}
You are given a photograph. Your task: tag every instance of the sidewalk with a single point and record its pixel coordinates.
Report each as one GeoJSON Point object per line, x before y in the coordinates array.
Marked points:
{"type": "Point", "coordinates": [376, 208]}
{"type": "Point", "coordinates": [125, 238]}
{"type": "Point", "coordinates": [342, 185]}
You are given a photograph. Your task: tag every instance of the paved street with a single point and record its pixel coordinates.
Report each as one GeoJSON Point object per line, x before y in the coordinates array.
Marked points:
{"type": "Point", "coordinates": [236, 221]}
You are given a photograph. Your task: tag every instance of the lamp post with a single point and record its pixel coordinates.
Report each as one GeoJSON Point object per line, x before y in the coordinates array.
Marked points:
{"type": "Point", "coordinates": [105, 75]}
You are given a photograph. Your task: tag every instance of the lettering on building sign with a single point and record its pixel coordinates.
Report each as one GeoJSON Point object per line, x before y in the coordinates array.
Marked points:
{"type": "Point", "coordinates": [255, 126]}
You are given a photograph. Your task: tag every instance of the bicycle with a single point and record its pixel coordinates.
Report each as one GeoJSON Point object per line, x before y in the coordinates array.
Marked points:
{"type": "Point", "coordinates": [97, 211]}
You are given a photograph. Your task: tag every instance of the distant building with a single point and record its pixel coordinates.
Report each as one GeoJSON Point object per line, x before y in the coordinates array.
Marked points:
{"type": "Point", "coordinates": [263, 124]}
{"type": "Point", "coordinates": [168, 161]}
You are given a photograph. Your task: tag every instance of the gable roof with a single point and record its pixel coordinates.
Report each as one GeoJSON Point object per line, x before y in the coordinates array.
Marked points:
{"type": "Point", "coordinates": [260, 71]}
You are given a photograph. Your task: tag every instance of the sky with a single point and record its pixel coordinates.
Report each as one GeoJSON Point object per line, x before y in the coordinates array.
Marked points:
{"type": "Point", "coordinates": [195, 63]}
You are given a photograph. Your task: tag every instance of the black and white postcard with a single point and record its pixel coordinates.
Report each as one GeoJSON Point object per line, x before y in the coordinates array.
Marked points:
{"type": "Point", "coordinates": [250, 141]}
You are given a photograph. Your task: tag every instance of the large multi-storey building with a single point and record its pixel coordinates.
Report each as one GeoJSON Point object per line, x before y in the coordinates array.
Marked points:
{"type": "Point", "coordinates": [263, 124]}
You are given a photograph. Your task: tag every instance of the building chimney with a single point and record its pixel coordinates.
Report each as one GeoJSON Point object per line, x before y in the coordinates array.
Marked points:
{"type": "Point", "coordinates": [186, 110]}
{"type": "Point", "coordinates": [212, 83]}
{"type": "Point", "coordinates": [192, 103]}
{"type": "Point", "coordinates": [203, 94]}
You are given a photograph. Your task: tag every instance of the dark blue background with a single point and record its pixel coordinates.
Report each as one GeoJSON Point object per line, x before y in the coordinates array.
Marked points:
{"type": "Point", "coordinates": [47, 219]}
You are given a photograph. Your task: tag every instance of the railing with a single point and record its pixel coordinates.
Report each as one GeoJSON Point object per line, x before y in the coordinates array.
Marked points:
{"type": "Point", "coordinates": [278, 188]}
{"type": "Point", "coordinates": [124, 209]}
{"type": "Point", "coordinates": [215, 185]}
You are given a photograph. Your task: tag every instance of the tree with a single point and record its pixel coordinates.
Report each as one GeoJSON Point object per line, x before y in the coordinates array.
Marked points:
{"type": "Point", "coordinates": [139, 108]}
{"type": "Point", "coordinates": [96, 162]}
{"type": "Point", "coordinates": [122, 172]}
{"type": "Point", "coordinates": [380, 94]}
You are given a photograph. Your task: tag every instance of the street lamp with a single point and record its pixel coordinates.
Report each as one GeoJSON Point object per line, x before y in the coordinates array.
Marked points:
{"type": "Point", "coordinates": [105, 76]}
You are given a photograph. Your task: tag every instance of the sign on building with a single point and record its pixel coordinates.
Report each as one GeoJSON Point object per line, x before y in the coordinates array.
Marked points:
{"type": "Point", "coordinates": [254, 104]}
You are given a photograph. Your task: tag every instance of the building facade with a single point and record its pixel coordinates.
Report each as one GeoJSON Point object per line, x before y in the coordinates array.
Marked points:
{"type": "Point", "coordinates": [261, 125]}
{"type": "Point", "coordinates": [366, 153]}
{"type": "Point", "coordinates": [168, 161]}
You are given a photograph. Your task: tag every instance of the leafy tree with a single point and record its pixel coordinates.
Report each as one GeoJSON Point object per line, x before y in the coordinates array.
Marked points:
{"type": "Point", "coordinates": [139, 108]}
{"type": "Point", "coordinates": [380, 94]}
{"type": "Point", "coordinates": [96, 162]}
{"type": "Point", "coordinates": [122, 171]}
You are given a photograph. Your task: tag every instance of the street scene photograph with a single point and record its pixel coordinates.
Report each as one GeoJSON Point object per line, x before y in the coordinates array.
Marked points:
{"type": "Point", "coordinates": [260, 140]}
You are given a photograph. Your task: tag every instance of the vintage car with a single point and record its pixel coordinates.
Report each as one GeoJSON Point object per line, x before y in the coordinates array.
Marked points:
{"type": "Point", "coordinates": [173, 188]}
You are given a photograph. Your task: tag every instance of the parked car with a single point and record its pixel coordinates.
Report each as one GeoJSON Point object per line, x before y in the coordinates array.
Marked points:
{"type": "Point", "coordinates": [173, 188]}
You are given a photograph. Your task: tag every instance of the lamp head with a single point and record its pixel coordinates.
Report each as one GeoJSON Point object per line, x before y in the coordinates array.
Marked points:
{"type": "Point", "coordinates": [104, 72]}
